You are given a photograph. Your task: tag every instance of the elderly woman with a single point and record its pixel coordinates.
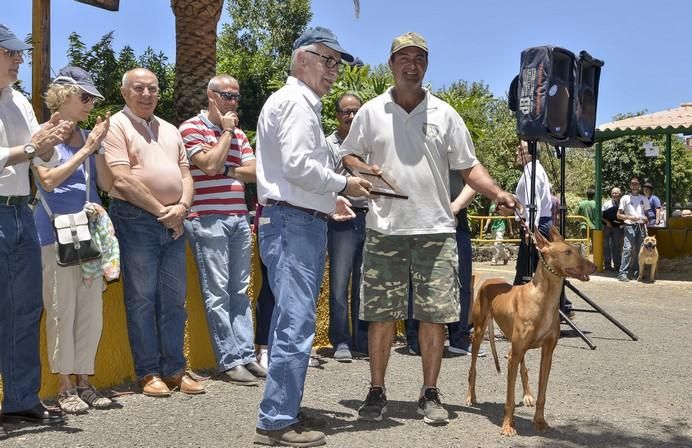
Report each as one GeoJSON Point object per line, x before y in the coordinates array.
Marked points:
{"type": "Point", "coordinates": [73, 306]}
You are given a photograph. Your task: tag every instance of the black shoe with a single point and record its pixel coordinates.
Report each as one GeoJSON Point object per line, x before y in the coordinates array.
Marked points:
{"type": "Point", "coordinates": [374, 406]}
{"type": "Point", "coordinates": [38, 414]}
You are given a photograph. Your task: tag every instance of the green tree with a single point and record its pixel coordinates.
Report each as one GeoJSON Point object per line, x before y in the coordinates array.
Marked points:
{"type": "Point", "coordinates": [256, 48]}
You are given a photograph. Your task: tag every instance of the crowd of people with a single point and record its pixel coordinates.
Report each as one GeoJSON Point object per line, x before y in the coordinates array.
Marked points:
{"type": "Point", "coordinates": [390, 258]}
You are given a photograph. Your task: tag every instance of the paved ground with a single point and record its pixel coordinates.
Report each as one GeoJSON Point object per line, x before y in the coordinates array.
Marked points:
{"type": "Point", "coordinates": [623, 394]}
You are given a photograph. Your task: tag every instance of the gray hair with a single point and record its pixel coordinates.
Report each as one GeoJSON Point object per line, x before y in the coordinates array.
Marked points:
{"type": "Point", "coordinates": [219, 79]}
{"type": "Point", "coordinates": [294, 56]}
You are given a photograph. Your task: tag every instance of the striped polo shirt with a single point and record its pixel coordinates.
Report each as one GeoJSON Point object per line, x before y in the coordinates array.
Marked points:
{"type": "Point", "coordinates": [218, 194]}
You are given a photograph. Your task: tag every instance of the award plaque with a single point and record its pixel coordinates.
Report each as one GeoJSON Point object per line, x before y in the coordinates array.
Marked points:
{"type": "Point", "coordinates": [381, 185]}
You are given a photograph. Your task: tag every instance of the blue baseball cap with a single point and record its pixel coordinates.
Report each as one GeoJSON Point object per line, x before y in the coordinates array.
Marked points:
{"type": "Point", "coordinates": [9, 41]}
{"type": "Point", "coordinates": [324, 36]}
{"type": "Point", "coordinates": [78, 77]}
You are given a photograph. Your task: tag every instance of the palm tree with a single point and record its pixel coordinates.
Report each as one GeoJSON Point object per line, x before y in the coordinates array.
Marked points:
{"type": "Point", "coordinates": [195, 53]}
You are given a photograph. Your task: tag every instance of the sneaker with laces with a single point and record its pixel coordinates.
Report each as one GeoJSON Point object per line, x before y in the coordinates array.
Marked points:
{"type": "Point", "coordinates": [430, 407]}
{"type": "Point", "coordinates": [294, 435]}
{"type": "Point", "coordinates": [374, 406]}
{"type": "Point", "coordinates": [464, 348]}
{"type": "Point", "coordinates": [343, 353]}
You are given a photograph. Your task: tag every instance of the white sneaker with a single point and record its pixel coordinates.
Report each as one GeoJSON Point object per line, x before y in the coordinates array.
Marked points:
{"type": "Point", "coordinates": [263, 358]}
{"type": "Point", "coordinates": [314, 361]}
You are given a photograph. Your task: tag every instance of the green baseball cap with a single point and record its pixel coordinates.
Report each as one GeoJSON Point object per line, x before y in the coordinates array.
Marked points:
{"type": "Point", "coordinates": [409, 39]}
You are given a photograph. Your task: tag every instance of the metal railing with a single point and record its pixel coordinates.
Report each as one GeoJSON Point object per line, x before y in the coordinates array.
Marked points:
{"type": "Point", "coordinates": [573, 222]}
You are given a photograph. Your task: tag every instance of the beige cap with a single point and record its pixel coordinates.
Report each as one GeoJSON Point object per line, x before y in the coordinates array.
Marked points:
{"type": "Point", "coordinates": [410, 39]}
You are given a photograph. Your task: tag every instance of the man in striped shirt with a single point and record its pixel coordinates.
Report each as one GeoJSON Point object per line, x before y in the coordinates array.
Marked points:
{"type": "Point", "coordinates": [221, 161]}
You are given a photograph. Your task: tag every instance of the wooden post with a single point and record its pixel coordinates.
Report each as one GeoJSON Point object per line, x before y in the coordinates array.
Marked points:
{"type": "Point", "coordinates": [40, 57]}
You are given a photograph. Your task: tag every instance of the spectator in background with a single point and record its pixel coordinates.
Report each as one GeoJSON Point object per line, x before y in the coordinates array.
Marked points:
{"type": "Point", "coordinates": [347, 332]}
{"type": "Point", "coordinates": [73, 301]}
{"type": "Point", "coordinates": [632, 210]}
{"type": "Point", "coordinates": [654, 212]}
{"type": "Point", "coordinates": [22, 144]}
{"type": "Point", "coordinates": [612, 231]}
{"type": "Point", "coordinates": [221, 162]}
{"type": "Point", "coordinates": [587, 209]}
{"type": "Point", "coordinates": [150, 200]}
{"type": "Point", "coordinates": [497, 228]}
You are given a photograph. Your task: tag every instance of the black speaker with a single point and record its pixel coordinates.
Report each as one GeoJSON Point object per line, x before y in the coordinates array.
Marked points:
{"type": "Point", "coordinates": [545, 91]}
{"type": "Point", "coordinates": [555, 95]}
{"type": "Point", "coordinates": [586, 92]}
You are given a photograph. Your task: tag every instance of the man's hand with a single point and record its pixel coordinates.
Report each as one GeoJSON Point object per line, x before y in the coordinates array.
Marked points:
{"type": "Point", "coordinates": [508, 204]}
{"type": "Point", "coordinates": [456, 208]}
{"type": "Point", "coordinates": [229, 120]}
{"type": "Point", "coordinates": [178, 231]}
{"type": "Point", "coordinates": [172, 216]}
{"type": "Point", "coordinates": [343, 210]}
{"type": "Point", "coordinates": [355, 186]}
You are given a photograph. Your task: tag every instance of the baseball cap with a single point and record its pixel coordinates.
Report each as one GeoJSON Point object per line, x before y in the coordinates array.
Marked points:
{"type": "Point", "coordinates": [79, 77]}
{"type": "Point", "coordinates": [9, 41]}
{"type": "Point", "coordinates": [324, 36]}
{"type": "Point", "coordinates": [647, 183]}
{"type": "Point", "coordinates": [409, 39]}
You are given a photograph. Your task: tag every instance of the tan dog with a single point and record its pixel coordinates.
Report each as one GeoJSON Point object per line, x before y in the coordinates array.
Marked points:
{"type": "Point", "coordinates": [529, 318]}
{"type": "Point", "coordinates": [648, 256]}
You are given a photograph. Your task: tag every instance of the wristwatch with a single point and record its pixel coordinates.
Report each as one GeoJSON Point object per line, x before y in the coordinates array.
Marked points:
{"type": "Point", "coordinates": [30, 151]}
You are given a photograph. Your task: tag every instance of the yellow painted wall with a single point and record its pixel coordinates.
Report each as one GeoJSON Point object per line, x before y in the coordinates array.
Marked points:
{"type": "Point", "coordinates": [675, 240]}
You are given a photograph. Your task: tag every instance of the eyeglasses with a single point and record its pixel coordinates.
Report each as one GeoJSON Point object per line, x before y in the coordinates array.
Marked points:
{"type": "Point", "coordinates": [139, 89]}
{"type": "Point", "coordinates": [86, 98]}
{"type": "Point", "coordinates": [228, 96]}
{"type": "Point", "coordinates": [13, 53]}
{"type": "Point", "coordinates": [347, 112]}
{"type": "Point", "coordinates": [329, 61]}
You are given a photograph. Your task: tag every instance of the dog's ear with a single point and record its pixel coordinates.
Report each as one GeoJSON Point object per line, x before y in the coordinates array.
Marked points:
{"type": "Point", "coordinates": [555, 234]}
{"type": "Point", "coordinates": [541, 241]}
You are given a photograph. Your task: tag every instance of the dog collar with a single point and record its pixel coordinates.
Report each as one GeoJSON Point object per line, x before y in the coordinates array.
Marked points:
{"type": "Point", "coordinates": [545, 265]}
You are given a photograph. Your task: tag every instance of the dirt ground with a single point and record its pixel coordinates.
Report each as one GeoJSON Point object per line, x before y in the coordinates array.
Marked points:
{"type": "Point", "coordinates": [623, 394]}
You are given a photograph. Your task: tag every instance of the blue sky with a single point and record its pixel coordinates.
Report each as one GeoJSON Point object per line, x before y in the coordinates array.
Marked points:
{"type": "Point", "coordinates": [645, 44]}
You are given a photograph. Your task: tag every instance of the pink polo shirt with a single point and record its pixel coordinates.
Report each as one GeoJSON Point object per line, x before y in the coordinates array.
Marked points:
{"type": "Point", "coordinates": [153, 150]}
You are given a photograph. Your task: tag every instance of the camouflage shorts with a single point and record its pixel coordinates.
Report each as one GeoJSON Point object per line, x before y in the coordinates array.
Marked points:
{"type": "Point", "coordinates": [432, 262]}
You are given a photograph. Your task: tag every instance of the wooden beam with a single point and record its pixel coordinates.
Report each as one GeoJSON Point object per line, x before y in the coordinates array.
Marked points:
{"type": "Point", "coordinates": [40, 57]}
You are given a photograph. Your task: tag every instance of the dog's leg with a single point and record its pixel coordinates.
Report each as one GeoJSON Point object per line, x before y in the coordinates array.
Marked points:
{"type": "Point", "coordinates": [641, 269]}
{"type": "Point", "coordinates": [528, 396]}
{"type": "Point", "coordinates": [546, 362]}
{"type": "Point", "coordinates": [481, 315]}
{"type": "Point", "coordinates": [652, 272]}
{"type": "Point", "coordinates": [515, 358]}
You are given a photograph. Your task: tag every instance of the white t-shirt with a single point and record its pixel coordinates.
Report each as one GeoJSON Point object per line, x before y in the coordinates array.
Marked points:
{"type": "Point", "coordinates": [416, 150]}
{"type": "Point", "coordinates": [634, 205]}
{"type": "Point", "coordinates": [542, 199]}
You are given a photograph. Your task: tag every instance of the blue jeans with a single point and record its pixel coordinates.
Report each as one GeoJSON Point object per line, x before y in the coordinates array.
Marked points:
{"type": "Point", "coordinates": [458, 331]}
{"type": "Point", "coordinates": [345, 243]}
{"type": "Point", "coordinates": [153, 268]}
{"type": "Point", "coordinates": [634, 236]}
{"type": "Point", "coordinates": [222, 247]}
{"type": "Point", "coordinates": [612, 246]}
{"type": "Point", "coordinates": [264, 308]}
{"type": "Point", "coordinates": [293, 247]}
{"type": "Point", "coordinates": [21, 304]}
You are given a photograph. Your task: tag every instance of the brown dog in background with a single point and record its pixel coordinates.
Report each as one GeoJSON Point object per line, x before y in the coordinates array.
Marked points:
{"type": "Point", "coordinates": [529, 318]}
{"type": "Point", "coordinates": [648, 256]}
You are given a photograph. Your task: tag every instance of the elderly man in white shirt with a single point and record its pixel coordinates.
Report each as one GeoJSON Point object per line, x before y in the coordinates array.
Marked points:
{"type": "Point", "coordinates": [298, 187]}
{"type": "Point", "coordinates": [21, 300]}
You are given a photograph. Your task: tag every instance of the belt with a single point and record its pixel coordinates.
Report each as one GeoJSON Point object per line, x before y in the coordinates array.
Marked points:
{"type": "Point", "coordinates": [360, 209]}
{"type": "Point", "coordinates": [309, 211]}
{"type": "Point", "coordinates": [14, 200]}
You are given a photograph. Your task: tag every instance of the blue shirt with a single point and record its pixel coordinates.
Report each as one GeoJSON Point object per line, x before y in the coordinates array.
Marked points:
{"type": "Point", "coordinates": [68, 197]}
{"type": "Point", "coordinates": [655, 203]}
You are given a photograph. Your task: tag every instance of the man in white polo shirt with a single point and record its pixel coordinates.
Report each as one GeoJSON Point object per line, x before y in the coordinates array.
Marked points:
{"type": "Point", "coordinates": [418, 139]}
{"type": "Point", "coordinates": [218, 229]}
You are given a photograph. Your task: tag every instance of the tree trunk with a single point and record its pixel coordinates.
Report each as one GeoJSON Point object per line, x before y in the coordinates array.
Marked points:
{"type": "Point", "coordinates": [195, 54]}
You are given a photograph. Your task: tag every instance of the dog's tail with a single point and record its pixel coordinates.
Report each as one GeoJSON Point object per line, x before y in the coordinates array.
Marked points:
{"type": "Point", "coordinates": [491, 338]}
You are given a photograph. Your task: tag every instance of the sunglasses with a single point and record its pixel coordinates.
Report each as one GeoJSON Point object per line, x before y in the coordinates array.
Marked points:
{"type": "Point", "coordinates": [13, 53]}
{"type": "Point", "coordinates": [85, 98]}
{"type": "Point", "coordinates": [228, 96]}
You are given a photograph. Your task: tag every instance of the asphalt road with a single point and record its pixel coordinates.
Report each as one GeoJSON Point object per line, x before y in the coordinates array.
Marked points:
{"type": "Point", "coordinates": [623, 394]}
